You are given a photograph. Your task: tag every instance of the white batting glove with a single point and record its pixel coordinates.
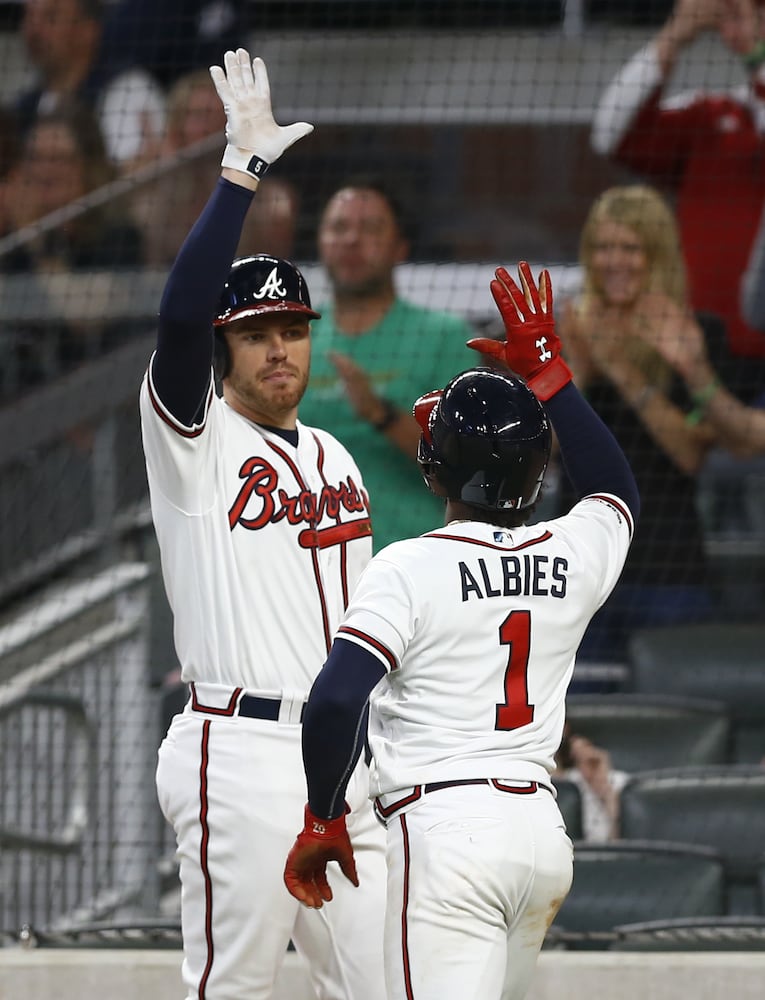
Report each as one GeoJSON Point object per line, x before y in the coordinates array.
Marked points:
{"type": "Point", "coordinates": [254, 138]}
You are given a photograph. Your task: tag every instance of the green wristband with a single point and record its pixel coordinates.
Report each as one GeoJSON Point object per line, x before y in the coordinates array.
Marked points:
{"type": "Point", "coordinates": [703, 397]}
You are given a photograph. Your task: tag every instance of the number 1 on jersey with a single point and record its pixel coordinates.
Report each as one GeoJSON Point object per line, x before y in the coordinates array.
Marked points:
{"type": "Point", "coordinates": [515, 632]}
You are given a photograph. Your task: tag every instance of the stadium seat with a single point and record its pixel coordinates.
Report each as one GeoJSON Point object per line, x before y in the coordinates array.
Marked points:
{"type": "Point", "coordinates": [570, 804]}
{"type": "Point", "coordinates": [719, 807]}
{"type": "Point", "coordinates": [693, 934]}
{"type": "Point", "coordinates": [624, 882]}
{"type": "Point", "coordinates": [644, 732]}
{"type": "Point", "coordinates": [724, 662]}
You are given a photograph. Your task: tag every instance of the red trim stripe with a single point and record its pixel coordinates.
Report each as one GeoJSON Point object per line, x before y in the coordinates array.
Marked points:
{"type": "Point", "coordinates": [404, 908]}
{"type": "Point", "coordinates": [335, 534]}
{"type": "Point", "coordinates": [314, 551]}
{"type": "Point", "coordinates": [342, 539]}
{"type": "Point", "coordinates": [203, 858]}
{"type": "Point", "coordinates": [229, 710]}
{"type": "Point", "coordinates": [545, 536]}
{"type": "Point", "coordinates": [391, 659]}
{"type": "Point", "coordinates": [617, 505]}
{"type": "Point", "coordinates": [384, 811]}
{"type": "Point", "coordinates": [179, 429]}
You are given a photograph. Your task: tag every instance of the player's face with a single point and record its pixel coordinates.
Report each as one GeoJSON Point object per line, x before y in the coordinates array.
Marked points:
{"type": "Point", "coordinates": [619, 263]}
{"type": "Point", "coordinates": [270, 360]}
{"type": "Point", "coordinates": [360, 242]}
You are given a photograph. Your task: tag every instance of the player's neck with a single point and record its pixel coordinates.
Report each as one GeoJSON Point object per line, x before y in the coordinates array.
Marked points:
{"type": "Point", "coordinates": [460, 513]}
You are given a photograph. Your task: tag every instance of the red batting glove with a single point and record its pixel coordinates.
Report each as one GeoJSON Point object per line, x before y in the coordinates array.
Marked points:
{"type": "Point", "coordinates": [532, 348]}
{"type": "Point", "coordinates": [320, 841]}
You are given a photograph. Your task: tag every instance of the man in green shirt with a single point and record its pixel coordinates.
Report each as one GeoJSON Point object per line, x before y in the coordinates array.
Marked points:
{"type": "Point", "coordinates": [373, 354]}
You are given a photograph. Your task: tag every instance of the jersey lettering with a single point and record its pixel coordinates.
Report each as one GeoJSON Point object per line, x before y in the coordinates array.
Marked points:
{"type": "Point", "coordinates": [259, 502]}
{"type": "Point", "coordinates": [515, 632]}
{"type": "Point", "coordinates": [272, 288]}
{"type": "Point", "coordinates": [521, 576]}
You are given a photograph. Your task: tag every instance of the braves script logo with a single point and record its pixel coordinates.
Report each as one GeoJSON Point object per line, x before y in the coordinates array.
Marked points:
{"type": "Point", "coordinates": [271, 288]}
{"type": "Point", "coordinates": [259, 502]}
{"type": "Point", "coordinates": [544, 354]}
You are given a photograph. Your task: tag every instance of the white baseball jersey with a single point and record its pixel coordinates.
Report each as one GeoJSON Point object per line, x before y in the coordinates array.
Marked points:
{"type": "Point", "coordinates": [261, 544]}
{"type": "Point", "coordinates": [256, 537]}
{"type": "Point", "coordinates": [477, 627]}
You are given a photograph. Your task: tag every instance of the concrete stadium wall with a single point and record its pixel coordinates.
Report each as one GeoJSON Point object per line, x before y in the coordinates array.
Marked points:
{"type": "Point", "coordinates": [124, 975]}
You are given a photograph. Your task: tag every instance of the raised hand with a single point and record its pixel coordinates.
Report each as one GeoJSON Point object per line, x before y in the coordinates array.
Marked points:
{"type": "Point", "coordinates": [254, 139]}
{"type": "Point", "coordinates": [532, 348]}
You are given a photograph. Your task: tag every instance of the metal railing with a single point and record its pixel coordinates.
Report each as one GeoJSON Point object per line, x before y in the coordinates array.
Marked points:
{"type": "Point", "coordinates": [79, 824]}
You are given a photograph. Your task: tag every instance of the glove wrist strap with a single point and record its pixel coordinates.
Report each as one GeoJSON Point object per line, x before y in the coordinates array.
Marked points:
{"type": "Point", "coordinates": [244, 160]}
{"type": "Point", "coordinates": [324, 829]}
{"type": "Point", "coordinates": [550, 379]}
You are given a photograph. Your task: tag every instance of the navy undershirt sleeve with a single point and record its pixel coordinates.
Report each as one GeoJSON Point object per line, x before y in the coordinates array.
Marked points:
{"type": "Point", "coordinates": [593, 459]}
{"type": "Point", "coordinates": [335, 724]}
{"type": "Point", "coordinates": [183, 360]}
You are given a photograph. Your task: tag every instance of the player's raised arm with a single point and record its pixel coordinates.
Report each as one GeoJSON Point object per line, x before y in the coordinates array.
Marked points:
{"type": "Point", "coordinates": [593, 458]}
{"type": "Point", "coordinates": [183, 361]}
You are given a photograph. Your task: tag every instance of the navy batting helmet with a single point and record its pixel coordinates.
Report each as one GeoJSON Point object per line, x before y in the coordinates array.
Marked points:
{"type": "Point", "coordinates": [485, 440]}
{"type": "Point", "coordinates": [258, 284]}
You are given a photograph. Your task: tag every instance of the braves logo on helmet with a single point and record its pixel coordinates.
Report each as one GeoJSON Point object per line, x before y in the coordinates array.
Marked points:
{"type": "Point", "coordinates": [272, 287]}
{"type": "Point", "coordinates": [263, 284]}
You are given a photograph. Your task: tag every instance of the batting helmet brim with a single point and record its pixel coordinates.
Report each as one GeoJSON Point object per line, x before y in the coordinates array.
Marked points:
{"type": "Point", "coordinates": [257, 310]}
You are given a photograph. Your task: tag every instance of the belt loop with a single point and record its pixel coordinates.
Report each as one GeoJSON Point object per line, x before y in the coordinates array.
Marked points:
{"type": "Point", "coordinates": [291, 708]}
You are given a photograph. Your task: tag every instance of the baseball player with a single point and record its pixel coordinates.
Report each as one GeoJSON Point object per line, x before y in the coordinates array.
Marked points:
{"type": "Point", "coordinates": [464, 640]}
{"type": "Point", "coordinates": [263, 528]}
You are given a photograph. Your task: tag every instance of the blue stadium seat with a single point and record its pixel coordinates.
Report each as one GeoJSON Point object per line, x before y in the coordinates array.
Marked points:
{"type": "Point", "coordinates": [624, 882]}
{"type": "Point", "coordinates": [722, 808]}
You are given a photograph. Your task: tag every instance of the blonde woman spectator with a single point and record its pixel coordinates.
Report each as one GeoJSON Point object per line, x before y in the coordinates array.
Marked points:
{"type": "Point", "coordinates": [633, 298]}
{"type": "Point", "coordinates": [706, 147]}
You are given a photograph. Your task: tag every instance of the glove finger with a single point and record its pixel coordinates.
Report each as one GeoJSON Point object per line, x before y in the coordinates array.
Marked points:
{"type": "Point", "coordinates": [514, 292]}
{"type": "Point", "coordinates": [530, 292]}
{"type": "Point", "coordinates": [260, 79]}
{"type": "Point", "coordinates": [221, 85]}
{"type": "Point", "coordinates": [302, 891]}
{"type": "Point", "coordinates": [234, 74]}
{"type": "Point", "coordinates": [487, 346]}
{"type": "Point", "coordinates": [322, 885]}
{"type": "Point", "coordinates": [245, 69]}
{"type": "Point", "coordinates": [291, 133]}
{"type": "Point", "coordinates": [348, 868]}
{"type": "Point", "coordinates": [545, 292]}
{"type": "Point", "coordinates": [510, 301]}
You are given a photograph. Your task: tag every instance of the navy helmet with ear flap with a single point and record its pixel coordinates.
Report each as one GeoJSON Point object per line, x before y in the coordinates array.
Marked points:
{"type": "Point", "coordinates": [258, 284]}
{"type": "Point", "coordinates": [486, 440]}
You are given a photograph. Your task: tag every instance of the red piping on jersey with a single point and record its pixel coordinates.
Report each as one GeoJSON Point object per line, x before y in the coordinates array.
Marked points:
{"type": "Point", "coordinates": [623, 510]}
{"type": "Point", "coordinates": [488, 545]}
{"type": "Point", "coordinates": [404, 908]}
{"type": "Point", "coordinates": [407, 800]}
{"type": "Point", "coordinates": [314, 552]}
{"type": "Point", "coordinates": [229, 710]}
{"type": "Point", "coordinates": [335, 534]}
{"type": "Point", "coordinates": [171, 423]}
{"type": "Point", "coordinates": [341, 539]}
{"type": "Point", "coordinates": [203, 859]}
{"type": "Point", "coordinates": [374, 643]}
